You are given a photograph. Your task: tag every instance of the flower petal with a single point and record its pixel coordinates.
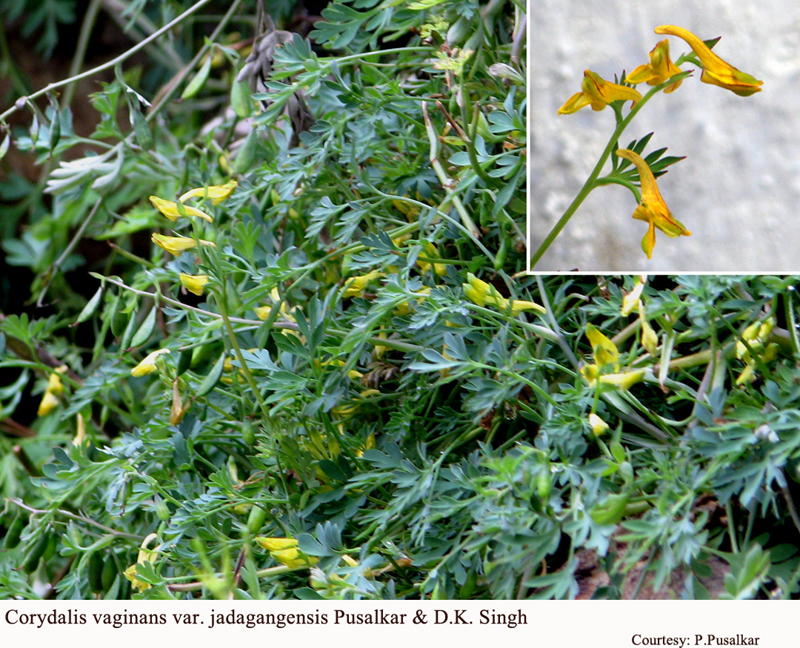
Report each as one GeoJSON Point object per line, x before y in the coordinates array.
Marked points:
{"type": "Point", "coordinates": [216, 193]}
{"type": "Point", "coordinates": [173, 212]}
{"type": "Point", "coordinates": [148, 365]}
{"type": "Point", "coordinates": [195, 284]}
{"type": "Point", "coordinates": [715, 70]}
{"type": "Point", "coordinates": [652, 209]}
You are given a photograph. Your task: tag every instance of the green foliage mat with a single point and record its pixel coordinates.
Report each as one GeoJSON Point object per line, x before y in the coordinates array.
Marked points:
{"type": "Point", "coordinates": [335, 381]}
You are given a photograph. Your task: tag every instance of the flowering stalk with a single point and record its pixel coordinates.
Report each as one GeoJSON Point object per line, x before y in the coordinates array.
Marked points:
{"type": "Point", "coordinates": [591, 182]}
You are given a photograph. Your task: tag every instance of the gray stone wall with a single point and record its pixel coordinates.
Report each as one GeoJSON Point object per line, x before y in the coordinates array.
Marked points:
{"type": "Point", "coordinates": [738, 191]}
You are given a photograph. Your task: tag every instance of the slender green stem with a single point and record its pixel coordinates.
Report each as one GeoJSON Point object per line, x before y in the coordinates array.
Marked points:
{"type": "Point", "coordinates": [80, 51]}
{"type": "Point", "coordinates": [199, 311]}
{"type": "Point", "coordinates": [397, 50]}
{"type": "Point", "coordinates": [731, 527]}
{"type": "Point", "coordinates": [620, 181]}
{"type": "Point", "coordinates": [591, 181]}
{"type": "Point", "coordinates": [554, 324]}
{"type": "Point", "coordinates": [447, 182]}
{"type": "Point", "coordinates": [73, 516]}
{"type": "Point", "coordinates": [105, 66]}
{"type": "Point", "coordinates": [51, 273]}
{"type": "Point", "coordinates": [176, 81]}
{"type": "Point", "coordinates": [472, 130]}
{"type": "Point", "coordinates": [223, 309]}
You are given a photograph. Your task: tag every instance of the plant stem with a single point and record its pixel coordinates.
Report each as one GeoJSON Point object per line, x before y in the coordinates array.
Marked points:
{"type": "Point", "coordinates": [72, 516]}
{"type": "Point", "coordinates": [105, 66]}
{"type": "Point", "coordinates": [591, 181]}
{"type": "Point", "coordinates": [51, 272]}
{"type": "Point", "coordinates": [80, 51]}
{"type": "Point", "coordinates": [223, 309]}
{"type": "Point", "coordinates": [447, 183]}
{"type": "Point", "coordinates": [175, 82]}
{"type": "Point", "coordinates": [620, 181]}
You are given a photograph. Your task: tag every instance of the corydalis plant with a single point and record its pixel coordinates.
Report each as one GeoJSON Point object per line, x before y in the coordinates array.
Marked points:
{"type": "Point", "coordinates": [661, 73]}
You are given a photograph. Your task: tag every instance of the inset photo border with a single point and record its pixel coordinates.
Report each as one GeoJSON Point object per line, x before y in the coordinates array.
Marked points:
{"type": "Point", "coordinates": [728, 197]}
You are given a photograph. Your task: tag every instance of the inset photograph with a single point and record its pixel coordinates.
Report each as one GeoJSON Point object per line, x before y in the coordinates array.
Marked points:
{"type": "Point", "coordinates": [663, 138]}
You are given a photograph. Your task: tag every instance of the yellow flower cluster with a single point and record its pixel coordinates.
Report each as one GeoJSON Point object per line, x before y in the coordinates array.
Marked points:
{"type": "Point", "coordinates": [598, 93]}
{"type": "Point", "coordinates": [606, 357]}
{"type": "Point", "coordinates": [484, 294]}
{"type": "Point", "coordinates": [176, 245]}
{"type": "Point", "coordinates": [757, 338]}
{"type": "Point", "coordinates": [173, 210]}
{"type": "Point", "coordinates": [54, 389]}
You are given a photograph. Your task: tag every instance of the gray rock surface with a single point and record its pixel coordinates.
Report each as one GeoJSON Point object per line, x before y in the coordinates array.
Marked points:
{"type": "Point", "coordinates": [738, 190]}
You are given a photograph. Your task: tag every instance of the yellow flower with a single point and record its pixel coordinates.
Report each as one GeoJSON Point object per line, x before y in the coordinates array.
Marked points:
{"type": "Point", "coordinates": [54, 389]}
{"type": "Point", "coordinates": [653, 210]}
{"type": "Point", "coordinates": [715, 70]}
{"type": "Point", "coordinates": [80, 433]}
{"type": "Point", "coordinates": [177, 244]}
{"type": "Point", "coordinates": [54, 385]}
{"type": "Point", "coordinates": [194, 283]}
{"type": "Point", "coordinates": [649, 337]}
{"type": "Point", "coordinates": [148, 365]}
{"type": "Point", "coordinates": [145, 555]}
{"type": "Point", "coordinates": [293, 558]}
{"type": "Point", "coordinates": [624, 380]}
{"type": "Point", "coordinates": [597, 93]}
{"type": "Point", "coordinates": [276, 544]}
{"type": "Point", "coordinates": [519, 305]}
{"type": "Point", "coordinates": [178, 409]}
{"type": "Point", "coordinates": [630, 301]}
{"type": "Point", "coordinates": [756, 335]}
{"type": "Point", "coordinates": [369, 444]}
{"type": "Point", "coordinates": [173, 212]}
{"type": "Point", "coordinates": [746, 375]}
{"type": "Point", "coordinates": [404, 308]}
{"type": "Point", "coordinates": [771, 352]}
{"type": "Point", "coordinates": [432, 251]}
{"type": "Point", "coordinates": [215, 193]}
{"type": "Point", "coordinates": [660, 69]}
{"type": "Point", "coordinates": [354, 287]}
{"type": "Point", "coordinates": [48, 404]}
{"type": "Point", "coordinates": [285, 551]}
{"type": "Point", "coordinates": [605, 352]}
{"type": "Point", "coordinates": [598, 425]}
{"type": "Point", "coordinates": [263, 312]}
{"type": "Point", "coordinates": [483, 294]}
